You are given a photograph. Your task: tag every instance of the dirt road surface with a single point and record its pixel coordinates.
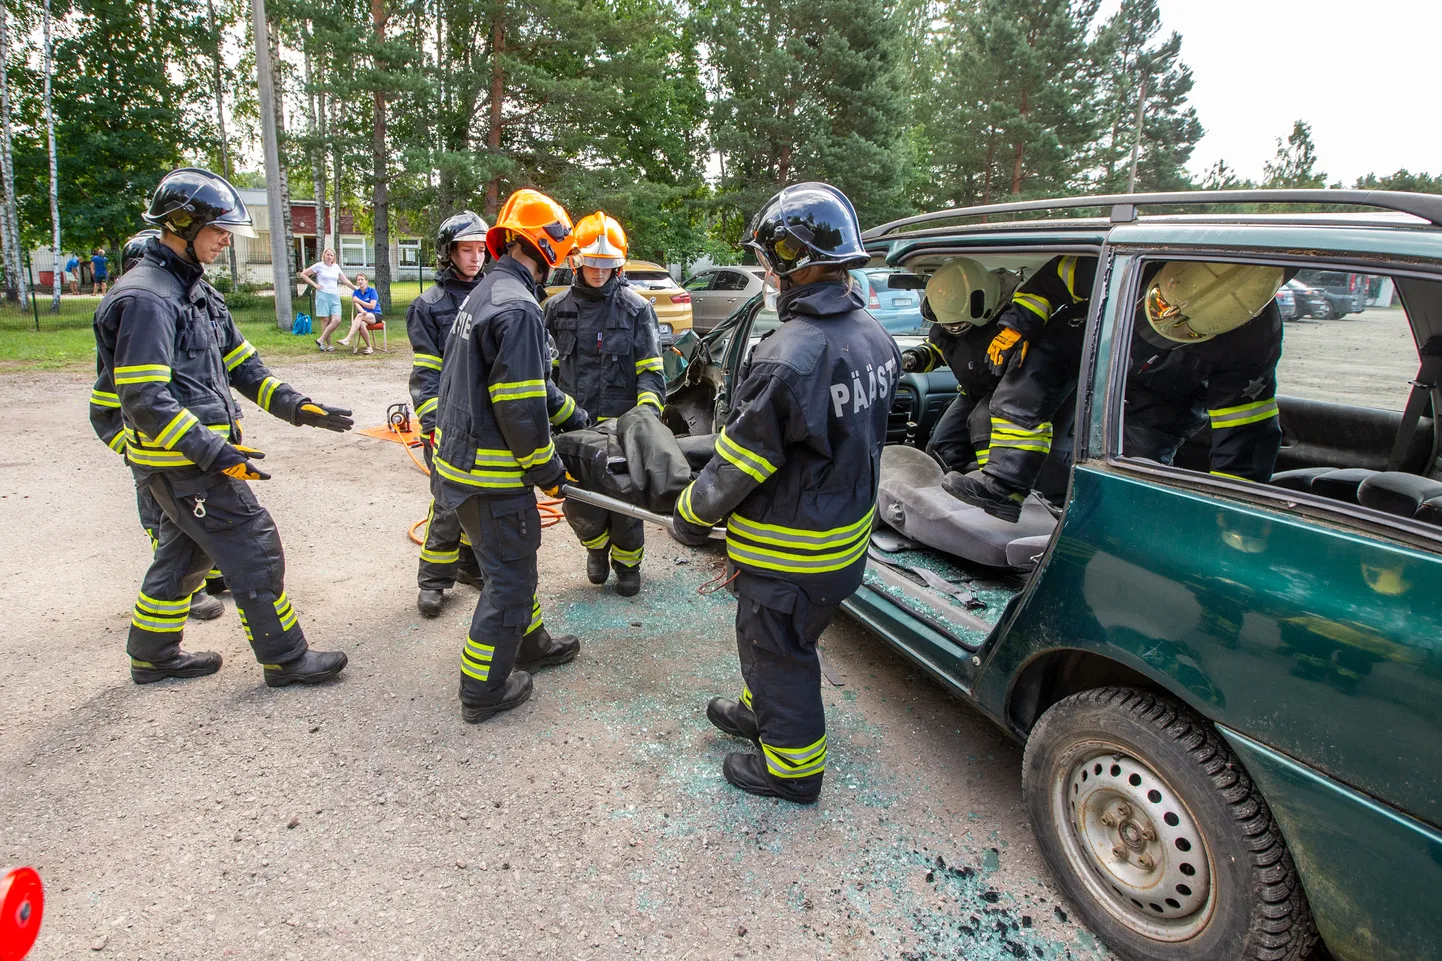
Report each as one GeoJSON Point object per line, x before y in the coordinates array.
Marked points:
{"type": "Point", "coordinates": [216, 818]}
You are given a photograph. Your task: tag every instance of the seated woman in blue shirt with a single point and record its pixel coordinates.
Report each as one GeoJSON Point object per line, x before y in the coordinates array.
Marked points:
{"type": "Point", "coordinates": [367, 311]}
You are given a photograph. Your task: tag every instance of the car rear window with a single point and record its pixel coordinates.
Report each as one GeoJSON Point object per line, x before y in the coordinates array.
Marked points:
{"type": "Point", "coordinates": [649, 276]}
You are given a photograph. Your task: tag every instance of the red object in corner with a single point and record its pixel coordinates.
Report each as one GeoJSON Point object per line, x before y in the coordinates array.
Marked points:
{"type": "Point", "coordinates": [22, 904]}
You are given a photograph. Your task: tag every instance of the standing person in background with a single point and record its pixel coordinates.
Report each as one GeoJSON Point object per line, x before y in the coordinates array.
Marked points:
{"type": "Point", "coordinates": [367, 303]}
{"type": "Point", "coordinates": [100, 270]}
{"type": "Point", "coordinates": [326, 277]}
{"type": "Point", "coordinates": [609, 359]}
{"type": "Point", "coordinates": [72, 274]}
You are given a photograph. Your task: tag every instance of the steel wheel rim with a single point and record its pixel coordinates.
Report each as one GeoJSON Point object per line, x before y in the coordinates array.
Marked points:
{"type": "Point", "coordinates": [1133, 842]}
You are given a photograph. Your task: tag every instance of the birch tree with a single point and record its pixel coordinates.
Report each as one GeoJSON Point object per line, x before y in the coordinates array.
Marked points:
{"type": "Point", "coordinates": [15, 287]}
{"type": "Point", "coordinates": [56, 276]}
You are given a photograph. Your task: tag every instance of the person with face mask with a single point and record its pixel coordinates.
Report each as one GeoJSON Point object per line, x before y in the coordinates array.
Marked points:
{"type": "Point", "coordinates": [166, 342]}
{"type": "Point", "coordinates": [608, 357]}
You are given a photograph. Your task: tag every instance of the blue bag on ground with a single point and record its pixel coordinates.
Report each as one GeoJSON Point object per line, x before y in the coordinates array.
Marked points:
{"type": "Point", "coordinates": [301, 324]}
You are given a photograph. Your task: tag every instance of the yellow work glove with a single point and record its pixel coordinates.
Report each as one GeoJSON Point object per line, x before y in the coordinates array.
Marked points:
{"type": "Point", "coordinates": [234, 460]}
{"type": "Point", "coordinates": [556, 490]}
{"type": "Point", "coordinates": [1006, 344]}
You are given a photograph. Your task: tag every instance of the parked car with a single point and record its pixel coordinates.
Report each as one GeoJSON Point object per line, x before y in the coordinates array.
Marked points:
{"type": "Point", "coordinates": [1286, 302]}
{"type": "Point", "coordinates": [1230, 692]}
{"type": "Point", "coordinates": [898, 309]}
{"type": "Point", "coordinates": [652, 281]}
{"type": "Point", "coordinates": [1310, 301]}
{"type": "Point", "coordinates": [717, 291]}
{"type": "Point", "coordinates": [1345, 292]}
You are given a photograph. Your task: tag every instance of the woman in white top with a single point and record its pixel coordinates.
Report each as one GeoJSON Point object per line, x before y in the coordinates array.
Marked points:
{"type": "Point", "coordinates": [326, 277]}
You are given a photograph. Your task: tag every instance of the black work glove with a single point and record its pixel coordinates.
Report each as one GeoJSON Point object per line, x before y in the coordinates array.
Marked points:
{"type": "Point", "coordinates": [692, 535]}
{"type": "Point", "coordinates": [311, 414]}
{"type": "Point", "coordinates": [579, 420]}
{"type": "Point", "coordinates": [235, 461]}
{"type": "Point", "coordinates": [913, 359]}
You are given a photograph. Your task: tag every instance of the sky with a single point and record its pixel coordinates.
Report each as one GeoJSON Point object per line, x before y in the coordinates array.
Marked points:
{"type": "Point", "coordinates": [1363, 73]}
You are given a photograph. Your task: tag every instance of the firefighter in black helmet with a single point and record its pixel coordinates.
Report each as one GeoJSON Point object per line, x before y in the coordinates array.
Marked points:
{"type": "Point", "coordinates": [172, 351]}
{"type": "Point", "coordinates": [796, 472]}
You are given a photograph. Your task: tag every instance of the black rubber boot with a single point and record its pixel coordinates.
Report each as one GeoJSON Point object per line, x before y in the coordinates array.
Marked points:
{"type": "Point", "coordinates": [182, 665]}
{"type": "Point", "coordinates": [215, 586]}
{"type": "Point", "coordinates": [204, 607]}
{"type": "Point", "coordinates": [312, 667]}
{"type": "Point", "coordinates": [474, 578]}
{"type": "Point", "coordinates": [979, 490]}
{"type": "Point", "coordinates": [539, 649]}
{"type": "Point", "coordinates": [748, 772]}
{"type": "Point", "coordinates": [733, 718]}
{"type": "Point", "coordinates": [429, 603]}
{"type": "Point", "coordinates": [628, 579]}
{"type": "Point", "coordinates": [598, 566]}
{"type": "Point", "coordinates": [516, 692]}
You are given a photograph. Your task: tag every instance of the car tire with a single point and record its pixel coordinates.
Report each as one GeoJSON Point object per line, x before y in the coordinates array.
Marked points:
{"type": "Point", "coordinates": [1173, 854]}
{"type": "Point", "coordinates": [1329, 312]}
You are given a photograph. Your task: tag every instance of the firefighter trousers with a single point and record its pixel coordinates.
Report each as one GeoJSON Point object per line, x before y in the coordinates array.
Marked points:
{"type": "Point", "coordinates": [1026, 401]}
{"type": "Point", "coordinates": [447, 548]}
{"type": "Point", "coordinates": [962, 434]}
{"type": "Point", "coordinates": [777, 627]}
{"type": "Point", "coordinates": [204, 517]}
{"type": "Point", "coordinates": [150, 514]}
{"type": "Point", "coordinates": [597, 529]}
{"type": "Point", "coordinates": [507, 532]}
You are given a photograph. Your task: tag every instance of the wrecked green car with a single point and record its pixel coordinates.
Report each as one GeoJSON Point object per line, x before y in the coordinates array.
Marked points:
{"type": "Point", "coordinates": [1230, 692]}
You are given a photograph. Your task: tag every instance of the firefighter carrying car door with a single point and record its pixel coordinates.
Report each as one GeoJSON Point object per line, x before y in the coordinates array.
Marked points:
{"type": "Point", "coordinates": [961, 300]}
{"type": "Point", "coordinates": [494, 414]}
{"type": "Point", "coordinates": [1205, 346]}
{"type": "Point", "coordinates": [796, 469]}
{"type": "Point", "coordinates": [446, 556]}
{"type": "Point", "coordinates": [608, 357]}
{"type": "Point", "coordinates": [172, 350]}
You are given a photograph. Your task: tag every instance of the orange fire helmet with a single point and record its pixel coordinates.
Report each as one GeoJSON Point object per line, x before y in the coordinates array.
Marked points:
{"type": "Point", "coordinates": [536, 218]}
{"type": "Point", "coordinates": [600, 241]}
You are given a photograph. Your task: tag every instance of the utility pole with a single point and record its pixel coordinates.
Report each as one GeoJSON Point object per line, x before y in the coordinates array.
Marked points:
{"type": "Point", "coordinates": [220, 124]}
{"type": "Point", "coordinates": [1137, 143]}
{"type": "Point", "coordinates": [279, 256]}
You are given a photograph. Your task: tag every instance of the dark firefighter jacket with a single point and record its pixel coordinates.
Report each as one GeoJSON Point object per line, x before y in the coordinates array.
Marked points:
{"type": "Point", "coordinates": [168, 348]}
{"type": "Point", "coordinates": [496, 404]}
{"type": "Point", "coordinates": [798, 462]}
{"type": "Point", "coordinates": [1063, 284]}
{"type": "Point", "coordinates": [608, 348]}
{"type": "Point", "coordinates": [1229, 381]}
{"type": "Point", "coordinates": [965, 354]}
{"type": "Point", "coordinates": [428, 325]}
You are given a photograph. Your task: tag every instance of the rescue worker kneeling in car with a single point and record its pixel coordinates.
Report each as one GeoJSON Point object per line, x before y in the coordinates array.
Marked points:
{"type": "Point", "coordinates": [168, 344]}
{"type": "Point", "coordinates": [494, 414]}
{"type": "Point", "coordinates": [796, 469]}
{"type": "Point", "coordinates": [608, 357]}
{"type": "Point", "coordinates": [1204, 346]}
{"type": "Point", "coordinates": [961, 302]}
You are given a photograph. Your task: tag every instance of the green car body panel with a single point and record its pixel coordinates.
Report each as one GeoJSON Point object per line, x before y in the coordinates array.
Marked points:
{"type": "Point", "coordinates": [1316, 649]}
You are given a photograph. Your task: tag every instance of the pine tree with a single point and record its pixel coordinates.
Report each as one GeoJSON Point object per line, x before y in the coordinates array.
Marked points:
{"type": "Point", "coordinates": [1295, 163]}
{"type": "Point", "coordinates": [1422, 183]}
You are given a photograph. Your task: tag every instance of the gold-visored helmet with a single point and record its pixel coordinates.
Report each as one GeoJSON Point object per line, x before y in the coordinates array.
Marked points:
{"type": "Point", "coordinates": [961, 294]}
{"type": "Point", "coordinates": [1189, 301]}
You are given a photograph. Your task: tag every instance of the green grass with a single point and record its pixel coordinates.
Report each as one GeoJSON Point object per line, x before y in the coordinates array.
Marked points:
{"type": "Point", "coordinates": [74, 346]}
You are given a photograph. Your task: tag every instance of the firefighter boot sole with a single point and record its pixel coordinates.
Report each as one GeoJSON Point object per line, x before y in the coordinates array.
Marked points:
{"type": "Point", "coordinates": [516, 692]}
{"type": "Point", "coordinates": [183, 666]}
{"type": "Point", "coordinates": [748, 772]}
{"type": "Point", "coordinates": [972, 489]}
{"type": "Point", "coordinates": [733, 718]}
{"type": "Point", "coordinates": [204, 607]}
{"type": "Point", "coordinates": [312, 667]}
{"type": "Point", "coordinates": [598, 566]}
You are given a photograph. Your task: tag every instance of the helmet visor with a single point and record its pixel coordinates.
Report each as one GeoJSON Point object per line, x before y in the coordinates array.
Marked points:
{"type": "Point", "coordinates": [557, 231]}
{"type": "Point", "coordinates": [1167, 318]}
{"type": "Point", "coordinates": [237, 229]}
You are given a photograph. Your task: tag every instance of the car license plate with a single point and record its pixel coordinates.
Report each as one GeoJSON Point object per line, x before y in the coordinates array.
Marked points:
{"type": "Point", "coordinates": [903, 302]}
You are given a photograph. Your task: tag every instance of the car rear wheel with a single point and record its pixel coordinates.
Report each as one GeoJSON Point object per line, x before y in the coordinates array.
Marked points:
{"type": "Point", "coordinates": [1329, 311]}
{"type": "Point", "coordinates": [1157, 833]}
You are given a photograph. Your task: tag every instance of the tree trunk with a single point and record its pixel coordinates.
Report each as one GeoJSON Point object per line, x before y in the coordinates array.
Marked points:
{"type": "Point", "coordinates": [286, 271]}
{"type": "Point", "coordinates": [1020, 149]}
{"type": "Point", "coordinates": [498, 97]}
{"type": "Point", "coordinates": [378, 159]}
{"type": "Point", "coordinates": [54, 179]}
{"type": "Point", "coordinates": [990, 165]}
{"type": "Point", "coordinates": [315, 104]}
{"type": "Point", "coordinates": [9, 220]}
{"type": "Point", "coordinates": [220, 127]}
{"type": "Point", "coordinates": [335, 200]}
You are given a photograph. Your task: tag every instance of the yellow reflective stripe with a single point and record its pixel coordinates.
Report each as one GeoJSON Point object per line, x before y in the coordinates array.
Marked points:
{"type": "Point", "coordinates": [1004, 433]}
{"type": "Point", "coordinates": [517, 390]}
{"type": "Point", "coordinates": [1035, 303]}
{"type": "Point", "coordinates": [440, 557]}
{"type": "Point", "coordinates": [142, 373]}
{"type": "Point", "coordinates": [649, 363]}
{"type": "Point", "coordinates": [476, 659]}
{"type": "Point", "coordinates": [284, 611]}
{"type": "Point", "coordinates": [157, 625]}
{"type": "Point", "coordinates": [117, 443]}
{"type": "Point", "coordinates": [156, 606]}
{"type": "Point", "coordinates": [144, 457]}
{"type": "Point", "coordinates": [568, 407]}
{"type": "Point", "coordinates": [238, 356]}
{"type": "Point", "coordinates": [536, 619]}
{"type": "Point", "coordinates": [465, 541]}
{"type": "Point", "coordinates": [1243, 414]}
{"type": "Point", "coordinates": [1222, 473]}
{"type": "Point", "coordinates": [746, 695]}
{"type": "Point", "coordinates": [629, 558]}
{"type": "Point", "coordinates": [683, 504]}
{"type": "Point", "coordinates": [538, 456]}
{"type": "Point", "coordinates": [982, 457]}
{"type": "Point", "coordinates": [266, 392]}
{"type": "Point", "coordinates": [789, 561]}
{"type": "Point", "coordinates": [936, 357]}
{"type": "Point", "coordinates": [795, 762]}
{"type": "Point", "coordinates": [429, 361]}
{"type": "Point", "coordinates": [597, 542]}
{"type": "Point", "coordinates": [101, 398]}
{"type": "Point", "coordinates": [479, 478]}
{"type": "Point", "coordinates": [427, 406]}
{"type": "Point", "coordinates": [649, 397]}
{"type": "Point", "coordinates": [173, 431]}
{"type": "Point", "coordinates": [1066, 270]}
{"type": "Point", "coordinates": [800, 537]}
{"type": "Point", "coordinates": [748, 462]}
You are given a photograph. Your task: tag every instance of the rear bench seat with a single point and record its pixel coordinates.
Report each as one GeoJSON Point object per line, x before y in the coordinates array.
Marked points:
{"type": "Point", "coordinates": [1394, 492]}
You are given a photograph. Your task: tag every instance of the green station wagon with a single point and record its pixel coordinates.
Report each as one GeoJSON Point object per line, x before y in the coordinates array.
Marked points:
{"type": "Point", "coordinates": [1230, 692]}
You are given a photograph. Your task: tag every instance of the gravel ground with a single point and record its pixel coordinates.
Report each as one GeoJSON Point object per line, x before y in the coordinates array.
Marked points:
{"type": "Point", "coordinates": [216, 818]}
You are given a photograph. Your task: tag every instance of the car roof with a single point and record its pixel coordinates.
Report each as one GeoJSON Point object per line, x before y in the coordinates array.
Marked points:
{"type": "Point", "coordinates": [645, 265]}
